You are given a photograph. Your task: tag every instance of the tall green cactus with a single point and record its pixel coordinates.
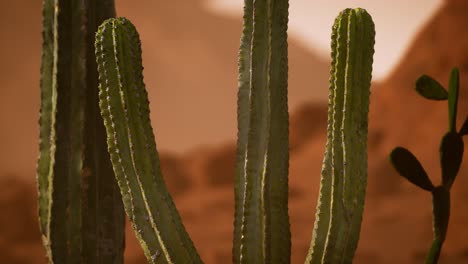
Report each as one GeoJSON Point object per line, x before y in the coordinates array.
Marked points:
{"type": "Point", "coordinates": [344, 171]}
{"type": "Point", "coordinates": [125, 109]}
{"type": "Point", "coordinates": [80, 208]}
{"type": "Point", "coordinates": [261, 231]}
{"type": "Point", "coordinates": [79, 200]}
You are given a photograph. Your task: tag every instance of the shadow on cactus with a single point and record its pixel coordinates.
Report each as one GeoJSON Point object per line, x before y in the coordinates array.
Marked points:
{"type": "Point", "coordinates": [451, 156]}
{"type": "Point", "coordinates": [81, 216]}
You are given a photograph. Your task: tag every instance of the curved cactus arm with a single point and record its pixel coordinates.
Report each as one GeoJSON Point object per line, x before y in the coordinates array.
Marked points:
{"type": "Point", "coordinates": [344, 173]}
{"type": "Point", "coordinates": [80, 211]}
{"type": "Point", "coordinates": [125, 109]}
{"type": "Point", "coordinates": [322, 214]}
{"type": "Point", "coordinates": [261, 232]}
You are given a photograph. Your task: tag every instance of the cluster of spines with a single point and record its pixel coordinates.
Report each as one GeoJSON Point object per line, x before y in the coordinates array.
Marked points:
{"type": "Point", "coordinates": [344, 171]}
{"type": "Point", "coordinates": [261, 228]}
{"type": "Point", "coordinates": [80, 212]}
{"type": "Point", "coordinates": [125, 109]}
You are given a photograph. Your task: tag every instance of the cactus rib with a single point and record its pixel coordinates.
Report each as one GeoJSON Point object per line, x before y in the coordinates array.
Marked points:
{"type": "Point", "coordinates": [125, 109]}
{"type": "Point", "coordinates": [344, 172]}
{"type": "Point", "coordinates": [261, 232]}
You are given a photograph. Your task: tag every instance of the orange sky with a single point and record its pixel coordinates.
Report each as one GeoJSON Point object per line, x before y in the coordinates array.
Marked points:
{"type": "Point", "coordinates": [396, 22]}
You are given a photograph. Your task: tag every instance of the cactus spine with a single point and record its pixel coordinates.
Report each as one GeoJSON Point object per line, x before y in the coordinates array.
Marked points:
{"type": "Point", "coordinates": [125, 109]}
{"type": "Point", "coordinates": [261, 231]}
{"type": "Point", "coordinates": [344, 171]}
{"type": "Point", "coordinates": [80, 208]}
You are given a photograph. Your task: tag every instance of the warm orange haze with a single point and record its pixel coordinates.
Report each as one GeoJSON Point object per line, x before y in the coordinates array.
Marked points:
{"type": "Point", "coordinates": [190, 59]}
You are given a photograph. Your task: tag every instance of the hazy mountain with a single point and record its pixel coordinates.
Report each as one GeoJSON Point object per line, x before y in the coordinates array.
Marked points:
{"type": "Point", "coordinates": [190, 59]}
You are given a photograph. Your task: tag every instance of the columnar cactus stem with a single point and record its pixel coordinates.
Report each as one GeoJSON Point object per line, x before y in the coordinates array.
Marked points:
{"type": "Point", "coordinates": [344, 172]}
{"type": "Point", "coordinates": [125, 109]}
{"type": "Point", "coordinates": [261, 232]}
{"type": "Point", "coordinates": [80, 208]}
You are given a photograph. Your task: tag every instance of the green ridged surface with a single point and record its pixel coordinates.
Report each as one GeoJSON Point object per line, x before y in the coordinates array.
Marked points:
{"type": "Point", "coordinates": [344, 171]}
{"type": "Point", "coordinates": [80, 210]}
{"type": "Point", "coordinates": [261, 228]}
{"type": "Point", "coordinates": [125, 109]}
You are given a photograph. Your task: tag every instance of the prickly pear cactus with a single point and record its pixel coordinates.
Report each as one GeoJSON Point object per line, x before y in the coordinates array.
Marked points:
{"type": "Point", "coordinates": [344, 171]}
{"type": "Point", "coordinates": [451, 156]}
{"type": "Point", "coordinates": [80, 208]}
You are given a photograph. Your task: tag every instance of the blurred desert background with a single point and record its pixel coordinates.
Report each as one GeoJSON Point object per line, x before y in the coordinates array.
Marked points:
{"type": "Point", "coordinates": [190, 58]}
